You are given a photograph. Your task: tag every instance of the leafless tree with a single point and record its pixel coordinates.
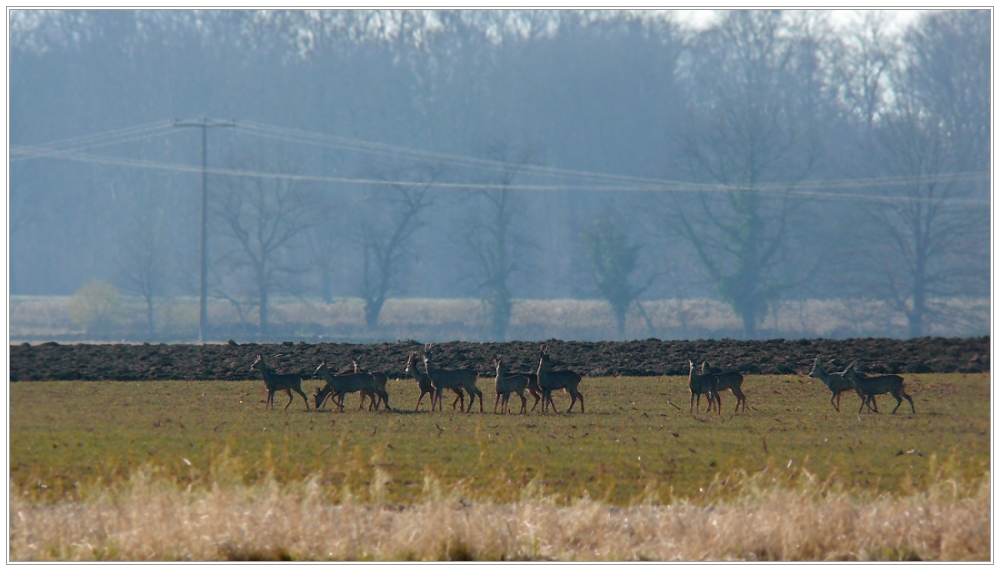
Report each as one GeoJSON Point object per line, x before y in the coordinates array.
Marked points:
{"type": "Point", "coordinates": [613, 258]}
{"type": "Point", "coordinates": [750, 138]}
{"type": "Point", "coordinates": [147, 260]}
{"type": "Point", "coordinates": [928, 240]}
{"type": "Point", "coordinates": [494, 238]}
{"type": "Point", "coordinates": [261, 215]}
{"type": "Point", "coordinates": [387, 230]}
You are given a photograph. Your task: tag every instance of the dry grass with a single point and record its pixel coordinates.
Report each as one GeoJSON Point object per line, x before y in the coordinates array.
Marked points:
{"type": "Point", "coordinates": [154, 520]}
{"type": "Point", "coordinates": [446, 319]}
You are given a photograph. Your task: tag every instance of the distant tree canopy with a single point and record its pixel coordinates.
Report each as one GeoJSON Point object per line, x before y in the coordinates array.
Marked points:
{"type": "Point", "coordinates": [775, 156]}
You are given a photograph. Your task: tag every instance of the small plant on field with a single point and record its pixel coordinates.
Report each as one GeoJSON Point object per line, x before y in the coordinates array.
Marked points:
{"type": "Point", "coordinates": [96, 307]}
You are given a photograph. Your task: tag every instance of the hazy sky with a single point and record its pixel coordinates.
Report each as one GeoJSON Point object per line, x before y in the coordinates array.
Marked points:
{"type": "Point", "coordinates": [699, 19]}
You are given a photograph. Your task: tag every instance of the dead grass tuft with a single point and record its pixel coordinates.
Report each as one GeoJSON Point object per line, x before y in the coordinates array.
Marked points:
{"type": "Point", "coordinates": [153, 520]}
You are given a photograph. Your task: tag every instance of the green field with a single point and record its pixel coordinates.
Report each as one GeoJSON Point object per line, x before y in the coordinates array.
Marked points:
{"type": "Point", "coordinates": [636, 442]}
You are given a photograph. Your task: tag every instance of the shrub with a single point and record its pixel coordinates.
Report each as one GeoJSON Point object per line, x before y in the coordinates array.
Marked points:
{"type": "Point", "coordinates": [96, 307]}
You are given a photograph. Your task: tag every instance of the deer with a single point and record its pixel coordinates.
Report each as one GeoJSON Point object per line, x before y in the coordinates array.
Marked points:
{"type": "Point", "coordinates": [728, 380]}
{"type": "Point", "coordinates": [443, 379]}
{"type": "Point", "coordinates": [380, 378]}
{"type": "Point", "coordinates": [339, 385]}
{"type": "Point", "coordinates": [424, 383]}
{"type": "Point", "coordinates": [533, 387]}
{"type": "Point", "coordinates": [702, 384]}
{"type": "Point", "coordinates": [549, 380]}
{"type": "Point", "coordinates": [835, 382]}
{"type": "Point", "coordinates": [868, 387]}
{"type": "Point", "coordinates": [506, 384]}
{"type": "Point", "coordinates": [275, 382]}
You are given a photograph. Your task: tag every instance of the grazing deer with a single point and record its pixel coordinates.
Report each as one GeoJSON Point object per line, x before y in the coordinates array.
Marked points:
{"type": "Point", "coordinates": [836, 382]}
{"type": "Point", "coordinates": [506, 384]}
{"type": "Point", "coordinates": [340, 385]}
{"type": "Point", "coordinates": [442, 379]}
{"type": "Point", "coordinates": [275, 382]}
{"type": "Point", "coordinates": [728, 380]}
{"type": "Point", "coordinates": [549, 380]}
{"type": "Point", "coordinates": [424, 383]}
{"type": "Point", "coordinates": [702, 384]}
{"type": "Point", "coordinates": [868, 387]}
{"type": "Point", "coordinates": [375, 400]}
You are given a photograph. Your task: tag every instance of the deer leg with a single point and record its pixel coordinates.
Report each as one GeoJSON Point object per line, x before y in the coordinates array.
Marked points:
{"type": "Point", "coordinates": [298, 390]}
{"type": "Point", "coordinates": [497, 402]}
{"type": "Point", "coordinates": [899, 401]}
{"type": "Point", "coordinates": [383, 396]}
{"type": "Point", "coordinates": [907, 397]}
{"type": "Point", "coordinates": [289, 393]}
{"type": "Point", "coordinates": [422, 393]}
{"type": "Point", "coordinates": [835, 395]}
{"type": "Point", "coordinates": [524, 402]}
{"type": "Point", "coordinates": [739, 398]}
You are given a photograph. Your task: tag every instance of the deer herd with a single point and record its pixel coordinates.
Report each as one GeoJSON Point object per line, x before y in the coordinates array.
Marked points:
{"type": "Point", "coordinates": [540, 383]}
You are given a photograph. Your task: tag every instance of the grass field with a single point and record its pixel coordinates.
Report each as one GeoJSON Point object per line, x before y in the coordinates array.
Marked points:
{"type": "Point", "coordinates": [80, 443]}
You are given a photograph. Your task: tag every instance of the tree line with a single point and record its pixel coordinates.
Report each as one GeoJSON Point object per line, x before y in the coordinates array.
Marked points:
{"type": "Point", "coordinates": [505, 155]}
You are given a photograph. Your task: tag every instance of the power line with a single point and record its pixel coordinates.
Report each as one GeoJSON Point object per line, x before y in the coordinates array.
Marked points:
{"type": "Point", "coordinates": [678, 187]}
{"type": "Point", "coordinates": [56, 148]}
{"type": "Point", "coordinates": [585, 180]}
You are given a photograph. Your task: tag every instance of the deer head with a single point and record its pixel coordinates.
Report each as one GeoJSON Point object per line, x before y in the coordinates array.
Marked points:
{"type": "Point", "coordinates": [322, 366]}
{"type": "Point", "coordinates": [258, 364]}
{"type": "Point", "coordinates": [815, 372]}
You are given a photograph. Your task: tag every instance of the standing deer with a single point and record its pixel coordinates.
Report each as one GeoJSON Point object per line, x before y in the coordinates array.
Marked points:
{"type": "Point", "coordinates": [702, 384]}
{"type": "Point", "coordinates": [340, 385]}
{"type": "Point", "coordinates": [424, 383]}
{"type": "Point", "coordinates": [835, 382]}
{"type": "Point", "coordinates": [549, 380]}
{"type": "Point", "coordinates": [443, 379]}
{"type": "Point", "coordinates": [868, 387]}
{"type": "Point", "coordinates": [275, 382]}
{"type": "Point", "coordinates": [506, 384]}
{"type": "Point", "coordinates": [380, 378]}
{"type": "Point", "coordinates": [728, 380]}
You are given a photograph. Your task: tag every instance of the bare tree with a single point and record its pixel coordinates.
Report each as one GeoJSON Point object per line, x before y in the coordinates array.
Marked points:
{"type": "Point", "coordinates": [323, 240]}
{"type": "Point", "coordinates": [387, 230]}
{"type": "Point", "coordinates": [262, 214]}
{"type": "Point", "coordinates": [750, 138]}
{"type": "Point", "coordinates": [613, 258]}
{"type": "Point", "coordinates": [143, 258]}
{"type": "Point", "coordinates": [861, 62]}
{"type": "Point", "coordinates": [493, 238]}
{"type": "Point", "coordinates": [928, 240]}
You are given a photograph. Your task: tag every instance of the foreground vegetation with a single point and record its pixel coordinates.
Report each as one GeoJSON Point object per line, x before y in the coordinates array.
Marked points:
{"type": "Point", "coordinates": [204, 459]}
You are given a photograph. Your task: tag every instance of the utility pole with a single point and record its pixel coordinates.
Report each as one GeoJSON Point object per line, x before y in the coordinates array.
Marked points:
{"type": "Point", "coordinates": [204, 124]}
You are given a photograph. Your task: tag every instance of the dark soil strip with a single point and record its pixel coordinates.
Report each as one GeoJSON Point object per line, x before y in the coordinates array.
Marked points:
{"type": "Point", "coordinates": [51, 361]}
